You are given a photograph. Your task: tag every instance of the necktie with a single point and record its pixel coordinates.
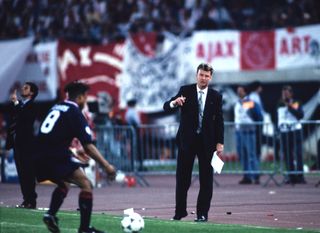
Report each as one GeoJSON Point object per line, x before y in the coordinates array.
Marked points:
{"type": "Point", "coordinates": [200, 105]}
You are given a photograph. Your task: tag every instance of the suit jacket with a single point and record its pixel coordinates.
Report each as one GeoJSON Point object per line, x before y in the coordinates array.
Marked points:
{"type": "Point", "coordinates": [212, 122]}
{"type": "Point", "coordinates": [21, 127]}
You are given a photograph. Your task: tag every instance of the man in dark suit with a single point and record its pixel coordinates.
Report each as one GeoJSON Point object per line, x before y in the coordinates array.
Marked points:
{"type": "Point", "coordinates": [200, 133]}
{"type": "Point", "coordinates": [21, 139]}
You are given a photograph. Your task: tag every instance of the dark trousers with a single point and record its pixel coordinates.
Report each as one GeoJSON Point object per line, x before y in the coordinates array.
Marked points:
{"type": "Point", "coordinates": [26, 174]}
{"type": "Point", "coordinates": [184, 176]}
{"type": "Point", "coordinates": [291, 148]}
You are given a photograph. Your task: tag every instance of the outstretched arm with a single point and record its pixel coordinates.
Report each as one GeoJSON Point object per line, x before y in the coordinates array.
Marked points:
{"type": "Point", "coordinates": [94, 153]}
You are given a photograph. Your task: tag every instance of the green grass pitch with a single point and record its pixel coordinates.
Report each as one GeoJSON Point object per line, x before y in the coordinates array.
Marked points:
{"type": "Point", "coordinates": [13, 220]}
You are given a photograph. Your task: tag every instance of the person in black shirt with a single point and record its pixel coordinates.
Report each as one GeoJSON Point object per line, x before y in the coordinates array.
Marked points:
{"type": "Point", "coordinates": [21, 138]}
{"type": "Point", "coordinates": [64, 122]}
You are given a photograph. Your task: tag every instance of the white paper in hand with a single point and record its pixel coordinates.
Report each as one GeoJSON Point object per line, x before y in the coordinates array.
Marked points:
{"type": "Point", "coordinates": [216, 163]}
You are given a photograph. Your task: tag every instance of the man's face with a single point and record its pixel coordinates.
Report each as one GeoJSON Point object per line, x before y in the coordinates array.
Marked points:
{"type": "Point", "coordinates": [203, 78]}
{"type": "Point", "coordinates": [241, 92]}
{"type": "Point", "coordinates": [81, 100]}
{"type": "Point", "coordinates": [26, 91]}
{"type": "Point", "coordinates": [286, 94]}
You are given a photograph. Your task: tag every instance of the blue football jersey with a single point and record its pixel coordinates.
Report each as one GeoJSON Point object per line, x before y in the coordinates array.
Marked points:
{"type": "Point", "coordinates": [64, 122]}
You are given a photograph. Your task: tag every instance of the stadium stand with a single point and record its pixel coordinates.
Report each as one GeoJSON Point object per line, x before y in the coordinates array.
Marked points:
{"type": "Point", "coordinates": [102, 21]}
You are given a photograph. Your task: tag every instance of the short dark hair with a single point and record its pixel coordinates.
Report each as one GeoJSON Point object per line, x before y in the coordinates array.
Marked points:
{"type": "Point", "coordinates": [132, 102]}
{"type": "Point", "coordinates": [75, 89]}
{"type": "Point", "coordinates": [34, 88]}
{"type": "Point", "coordinates": [205, 67]}
{"type": "Point", "coordinates": [245, 88]}
{"type": "Point", "coordinates": [254, 85]}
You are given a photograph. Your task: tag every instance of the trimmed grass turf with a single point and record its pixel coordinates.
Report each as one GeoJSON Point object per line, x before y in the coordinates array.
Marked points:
{"type": "Point", "coordinates": [13, 220]}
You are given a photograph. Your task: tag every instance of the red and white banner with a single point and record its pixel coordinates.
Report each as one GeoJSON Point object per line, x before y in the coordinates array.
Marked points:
{"type": "Point", "coordinates": [150, 72]}
{"type": "Point", "coordinates": [298, 47]}
{"type": "Point", "coordinates": [261, 50]}
{"type": "Point", "coordinates": [219, 48]}
{"type": "Point", "coordinates": [101, 66]}
{"type": "Point", "coordinates": [96, 65]}
{"type": "Point", "coordinates": [137, 69]}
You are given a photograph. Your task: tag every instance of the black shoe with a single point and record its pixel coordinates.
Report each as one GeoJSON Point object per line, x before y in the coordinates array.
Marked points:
{"type": "Point", "coordinates": [51, 222]}
{"type": "Point", "coordinates": [245, 181]}
{"type": "Point", "coordinates": [178, 217]}
{"type": "Point", "coordinates": [91, 230]}
{"type": "Point", "coordinates": [201, 218]}
{"type": "Point", "coordinates": [290, 181]}
{"type": "Point", "coordinates": [300, 180]}
{"type": "Point", "coordinates": [256, 181]}
{"type": "Point", "coordinates": [26, 205]}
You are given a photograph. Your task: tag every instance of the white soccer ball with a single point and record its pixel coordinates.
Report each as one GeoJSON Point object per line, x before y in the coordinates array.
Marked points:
{"type": "Point", "coordinates": [132, 223]}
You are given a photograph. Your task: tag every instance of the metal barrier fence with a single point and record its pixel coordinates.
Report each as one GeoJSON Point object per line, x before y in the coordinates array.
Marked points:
{"type": "Point", "coordinates": [249, 150]}
{"type": "Point", "coordinates": [151, 149]}
{"type": "Point", "coordinates": [119, 145]}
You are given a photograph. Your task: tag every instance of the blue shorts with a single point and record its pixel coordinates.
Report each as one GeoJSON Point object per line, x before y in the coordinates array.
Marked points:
{"type": "Point", "coordinates": [54, 169]}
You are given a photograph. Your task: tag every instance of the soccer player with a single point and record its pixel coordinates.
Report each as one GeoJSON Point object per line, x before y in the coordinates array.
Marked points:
{"type": "Point", "coordinates": [53, 162]}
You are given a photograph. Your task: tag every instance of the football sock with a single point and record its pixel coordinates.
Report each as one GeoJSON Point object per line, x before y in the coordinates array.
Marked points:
{"type": "Point", "coordinates": [57, 198]}
{"type": "Point", "coordinates": [85, 204]}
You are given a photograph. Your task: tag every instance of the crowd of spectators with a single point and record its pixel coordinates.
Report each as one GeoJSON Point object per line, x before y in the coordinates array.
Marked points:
{"type": "Point", "coordinates": [102, 21]}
